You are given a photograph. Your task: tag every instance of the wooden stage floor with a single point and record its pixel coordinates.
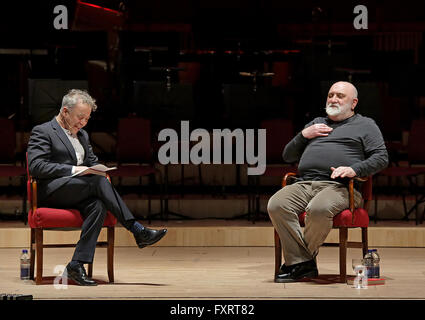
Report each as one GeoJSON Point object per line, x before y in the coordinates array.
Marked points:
{"type": "Point", "coordinates": [218, 259]}
{"type": "Point", "coordinates": [216, 273]}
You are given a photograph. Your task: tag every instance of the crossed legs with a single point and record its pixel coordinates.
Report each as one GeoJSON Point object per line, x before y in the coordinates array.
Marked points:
{"type": "Point", "coordinates": [93, 196]}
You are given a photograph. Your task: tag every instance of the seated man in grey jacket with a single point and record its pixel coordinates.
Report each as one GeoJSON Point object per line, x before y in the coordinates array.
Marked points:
{"type": "Point", "coordinates": [329, 151]}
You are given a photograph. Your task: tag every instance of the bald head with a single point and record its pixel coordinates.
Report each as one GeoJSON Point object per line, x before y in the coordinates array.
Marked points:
{"type": "Point", "coordinates": [345, 86]}
{"type": "Point", "coordinates": [341, 101]}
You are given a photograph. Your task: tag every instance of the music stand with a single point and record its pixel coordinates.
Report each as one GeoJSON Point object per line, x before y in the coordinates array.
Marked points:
{"type": "Point", "coordinates": [163, 103]}
{"type": "Point", "coordinates": [254, 75]}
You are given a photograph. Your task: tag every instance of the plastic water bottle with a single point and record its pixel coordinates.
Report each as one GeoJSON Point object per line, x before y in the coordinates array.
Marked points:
{"type": "Point", "coordinates": [368, 262]}
{"type": "Point", "coordinates": [25, 265]}
{"type": "Point", "coordinates": [376, 260]}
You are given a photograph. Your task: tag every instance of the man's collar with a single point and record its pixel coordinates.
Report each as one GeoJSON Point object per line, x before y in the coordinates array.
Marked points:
{"type": "Point", "coordinates": [68, 132]}
{"type": "Point", "coordinates": [350, 118]}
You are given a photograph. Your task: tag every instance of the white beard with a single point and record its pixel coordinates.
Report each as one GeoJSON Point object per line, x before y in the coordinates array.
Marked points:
{"type": "Point", "coordinates": [337, 109]}
{"type": "Point", "coordinates": [333, 111]}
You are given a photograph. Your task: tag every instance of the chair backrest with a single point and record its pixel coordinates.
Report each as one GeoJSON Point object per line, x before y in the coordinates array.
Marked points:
{"type": "Point", "coordinates": [191, 72]}
{"type": "Point", "coordinates": [278, 132]}
{"type": "Point", "coordinates": [367, 189]}
{"type": "Point", "coordinates": [29, 183]}
{"type": "Point", "coordinates": [134, 140]}
{"type": "Point", "coordinates": [416, 143]}
{"type": "Point", "coordinates": [8, 140]}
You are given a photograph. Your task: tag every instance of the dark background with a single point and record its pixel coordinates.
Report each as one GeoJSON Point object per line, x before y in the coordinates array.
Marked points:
{"type": "Point", "coordinates": [120, 56]}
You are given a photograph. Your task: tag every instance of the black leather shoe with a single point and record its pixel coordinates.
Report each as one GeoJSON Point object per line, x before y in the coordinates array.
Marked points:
{"type": "Point", "coordinates": [148, 237]}
{"type": "Point", "coordinates": [78, 275]}
{"type": "Point", "coordinates": [307, 269]}
{"type": "Point", "coordinates": [285, 269]}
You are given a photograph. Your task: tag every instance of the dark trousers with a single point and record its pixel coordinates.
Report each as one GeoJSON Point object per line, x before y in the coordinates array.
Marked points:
{"type": "Point", "coordinates": [93, 196]}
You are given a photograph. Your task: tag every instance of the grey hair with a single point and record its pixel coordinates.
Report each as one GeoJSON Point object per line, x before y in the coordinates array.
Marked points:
{"type": "Point", "coordinates": [75, 96]}
{"type": "Point", "coordinates": [355, 93]}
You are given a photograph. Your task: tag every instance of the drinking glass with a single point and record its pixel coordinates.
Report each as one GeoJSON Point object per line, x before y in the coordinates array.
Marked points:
{"type": "Point", "coordinates": [360, 281]}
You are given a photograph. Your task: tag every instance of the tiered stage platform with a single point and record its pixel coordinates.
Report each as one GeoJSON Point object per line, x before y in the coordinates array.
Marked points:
{"type": "Point", "coordinates": [222, 233]}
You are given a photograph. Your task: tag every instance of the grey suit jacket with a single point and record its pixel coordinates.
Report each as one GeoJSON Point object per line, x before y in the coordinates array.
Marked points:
{"type": "Point", "coordinates": [51, 156]}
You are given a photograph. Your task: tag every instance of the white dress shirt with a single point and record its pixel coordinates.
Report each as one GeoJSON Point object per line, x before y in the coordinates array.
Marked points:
{"type": "Point", "coordinates": [79, 150]}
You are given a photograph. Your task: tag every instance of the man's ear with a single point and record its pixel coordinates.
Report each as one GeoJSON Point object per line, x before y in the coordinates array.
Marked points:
{"type": "Point", "coordinates": [354, 104]}
{"type": "Point", "coordinates": [65, 109]}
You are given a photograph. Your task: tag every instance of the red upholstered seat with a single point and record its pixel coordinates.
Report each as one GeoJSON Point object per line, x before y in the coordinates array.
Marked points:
{"type": "Point", "coordinates": [345, 219]}
{"type": "Point", "coordinates": [61, 218]}
{"type": "Point", "coordinates": [58, 218]}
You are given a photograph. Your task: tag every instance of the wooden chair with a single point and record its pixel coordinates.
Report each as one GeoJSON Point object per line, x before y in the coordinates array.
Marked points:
{"type": "Point", "coordinates": [413, 172]}
{"type": "Point", "coordinates": [40, 219]}
{"type": "Point", "coordinates": [280, 132]}
{"type": "Point", "coordinates": [349, 218]}
{"type": "Point", "coordinates": [135, 156]}
{"type": "Point", "coordinates": [10, 167]}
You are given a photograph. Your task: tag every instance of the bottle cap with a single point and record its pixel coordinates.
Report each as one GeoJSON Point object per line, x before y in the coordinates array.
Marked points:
{"type": "Point", "coordinates": [24, 251]}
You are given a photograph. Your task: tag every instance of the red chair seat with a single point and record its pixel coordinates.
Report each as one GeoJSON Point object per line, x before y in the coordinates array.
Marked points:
{"type": "Point", "coordinates": [132, 171]}
{"type": "Point", "coordinates": [344, 219]}
{"type": "Point", "coordinates": [61, 218]}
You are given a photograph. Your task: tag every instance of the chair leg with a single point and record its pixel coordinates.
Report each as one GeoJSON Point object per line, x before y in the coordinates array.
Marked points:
{"type": "Point", "coordinates": [277, 253]}
{"type": "Point", "coordinates": [343, 234]}
{"type": "Point", "coordinates": [149, 205]}
{"type": "Point", "coordinates": [110, 253]}
{"type": "Point", "coordinates": [24, 200]}
{"type": "Point", "coordinates": [39, 253]}
{"type": "Point", "coordinates": [364, 241]}
{"type": "Point", "coordinates": [32, 254]}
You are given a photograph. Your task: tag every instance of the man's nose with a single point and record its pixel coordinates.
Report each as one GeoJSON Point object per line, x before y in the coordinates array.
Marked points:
{"type": "Point", "coordinates": [333, 99]}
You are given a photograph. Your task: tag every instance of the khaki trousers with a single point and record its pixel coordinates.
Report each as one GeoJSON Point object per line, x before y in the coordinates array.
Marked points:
{"type": "Point", "coordinates": [321, 200]}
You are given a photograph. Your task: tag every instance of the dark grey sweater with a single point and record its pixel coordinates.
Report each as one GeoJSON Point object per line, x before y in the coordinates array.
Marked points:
{"type": "Point", "coordinates": [355, 142]}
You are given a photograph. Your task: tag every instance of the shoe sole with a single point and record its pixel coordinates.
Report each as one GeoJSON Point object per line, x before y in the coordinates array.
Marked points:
{"type": "Point", "coordinates": [149, 244]}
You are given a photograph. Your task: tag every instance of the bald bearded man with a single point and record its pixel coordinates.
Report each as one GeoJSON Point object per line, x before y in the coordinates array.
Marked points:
{"type": "Point", "coordinates": [329, 150]}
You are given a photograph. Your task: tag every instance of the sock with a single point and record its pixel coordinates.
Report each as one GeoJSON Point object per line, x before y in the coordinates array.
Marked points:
{"type": "Point", "coordinates": [136, 228]}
